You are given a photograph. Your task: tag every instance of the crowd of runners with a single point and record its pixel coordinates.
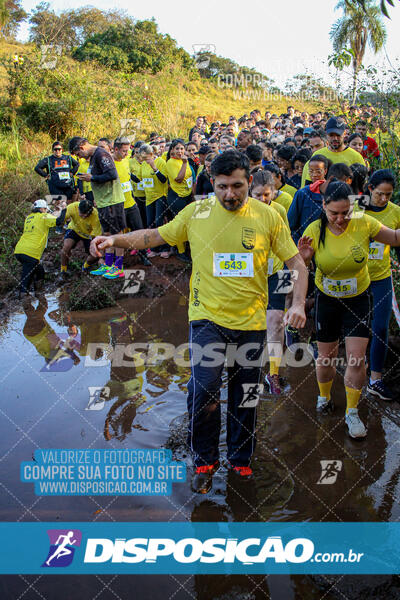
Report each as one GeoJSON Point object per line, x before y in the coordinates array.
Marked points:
{"type": "Point", "coordinates": [273, 213]}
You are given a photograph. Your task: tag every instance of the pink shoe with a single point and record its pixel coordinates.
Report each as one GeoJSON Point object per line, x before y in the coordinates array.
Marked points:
{"type": "Point", "coordinates": [164, 254]}
{"type": "Point", "coordinates": [151, 254]}
{"type": "Point", "coordinates": [133, 252]}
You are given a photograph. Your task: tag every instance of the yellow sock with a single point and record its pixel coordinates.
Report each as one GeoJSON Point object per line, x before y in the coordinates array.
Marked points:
{"type": "Point", "coordinates": [274, 364]}
{"type": "Point", "coordinates": [325, 389]}
{"type": "Point", "coordinates": [63, 268]}
{"type": "Point", "coordinates": [352, 397]}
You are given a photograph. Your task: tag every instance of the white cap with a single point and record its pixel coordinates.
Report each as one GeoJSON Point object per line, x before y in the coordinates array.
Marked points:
{"type": "Point", "coordinates": [40, 204]}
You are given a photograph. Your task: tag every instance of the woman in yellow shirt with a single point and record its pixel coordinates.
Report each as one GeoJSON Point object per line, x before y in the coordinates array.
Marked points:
{"type": "Point", "coordinates": [180, 177]}
{"type": "Point", "coordinates": [153, 175]}
{"type": "Point", "coordinates": [33, 242]}
{"type": "Point", "coordinates": [340, 242]}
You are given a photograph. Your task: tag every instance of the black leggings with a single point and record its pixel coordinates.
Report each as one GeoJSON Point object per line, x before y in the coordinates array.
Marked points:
{"type": "Point", "coordinates": [32, 270]}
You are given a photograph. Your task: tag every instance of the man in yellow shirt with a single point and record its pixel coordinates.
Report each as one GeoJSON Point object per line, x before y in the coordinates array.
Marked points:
{"type": "Point", "coordinates": [336, 150]}
{"type": "Point", "coordinates": [230, 236]}
{"type": "Point", "coordinates": [83, 224]}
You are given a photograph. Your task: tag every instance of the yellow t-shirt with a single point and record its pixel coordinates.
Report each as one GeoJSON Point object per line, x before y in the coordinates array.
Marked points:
{"type": "Point", "coordinates": [288, 189]}
{"type": "Point", "coordinates": [230, 252]}
{"type": "Point", "coordinates": [342, 262]}
{"type": "Point", "coordinates": [83, 168]}
{"type": "Point", "coordinates": [284, 199]}
{"type": "Point", "coordinates": [124, 174]}
{"type": "Point", "coordinates": [33, 241]}
{"type": "Point", "coordinates": [41, 340]}
{"type": "Point", "coordinates": [348, 156]}
{"type": "Point", "coordinates": [153, 188]}
{"type": "Point", "coordinates": [173, 167]}
{"type": "Point", "coordinates": [379, 254]}
{"type": "Point", "coordinates": [84, 227]}
{"type": "Point", "coordinates": [135, 167]}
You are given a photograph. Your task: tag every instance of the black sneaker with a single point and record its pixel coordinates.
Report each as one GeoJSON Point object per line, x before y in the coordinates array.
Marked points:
{"type": "Point", "coordinates": [378, 388]}
{"type": "Point", "coordinates": [202, 480]}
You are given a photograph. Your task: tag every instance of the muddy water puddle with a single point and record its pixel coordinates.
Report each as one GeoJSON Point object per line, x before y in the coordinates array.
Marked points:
{"type": "Point", "coordinates": [60, 389]}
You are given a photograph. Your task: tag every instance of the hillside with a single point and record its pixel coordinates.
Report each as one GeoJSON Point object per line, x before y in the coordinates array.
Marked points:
{"type": "Point", "coordinates": [85, 98]}
{"type": "Point", "coordinates": [39, 105]}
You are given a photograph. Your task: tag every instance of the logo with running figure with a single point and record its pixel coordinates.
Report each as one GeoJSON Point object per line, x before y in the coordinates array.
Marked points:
{"type": "Point", "coordinates": [248, 238]}
{"type": "Point", "coordinates": [330, 469]}
{"type": "Point", "coordinates": [62, 547]}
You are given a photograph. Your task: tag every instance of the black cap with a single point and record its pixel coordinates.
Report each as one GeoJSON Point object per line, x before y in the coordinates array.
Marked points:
{"type": "Point", "coordinates": [333, 125]}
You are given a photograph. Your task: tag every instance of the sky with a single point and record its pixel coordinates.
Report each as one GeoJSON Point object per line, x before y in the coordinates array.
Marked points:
{"type": "Point", "coordinates": [278, 39]}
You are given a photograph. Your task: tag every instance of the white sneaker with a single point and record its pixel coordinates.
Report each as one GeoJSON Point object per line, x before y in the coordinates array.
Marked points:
{"type": "Point", "coordinates": [355, 425]}
{"type": "Point", "coordinates": [323, 404]}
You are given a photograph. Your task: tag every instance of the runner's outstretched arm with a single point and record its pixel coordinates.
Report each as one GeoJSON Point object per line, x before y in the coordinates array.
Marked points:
{"type": "Point", "coordinates": [135, 240]}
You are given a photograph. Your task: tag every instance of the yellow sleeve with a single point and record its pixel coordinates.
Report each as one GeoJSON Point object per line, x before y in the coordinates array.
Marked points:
{"type": "Point", "coordinates": [312, 231]}
{"type": "Point", "coordinates": [175, 232]}
{"type": "Point", "coordinates": [50, 221]}
{"type": "Point", "coordinates": [281, 241]}
{"type": "Point", "coordinates": [161, 166]}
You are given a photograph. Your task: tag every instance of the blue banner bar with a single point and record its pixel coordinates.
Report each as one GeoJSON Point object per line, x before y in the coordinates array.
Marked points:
{"type": "Point", "coordinates": [178, 548]}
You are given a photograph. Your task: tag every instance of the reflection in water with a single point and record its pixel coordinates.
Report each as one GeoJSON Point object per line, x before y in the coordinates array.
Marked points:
{"type": "Point", "coordinates": [58, 350]}
{"type": "Point", "coordinates": [125, 383]}
{"type": "Point", "coordinates": [142, 403]}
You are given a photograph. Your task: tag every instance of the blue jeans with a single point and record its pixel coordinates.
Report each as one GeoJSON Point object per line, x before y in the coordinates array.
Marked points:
{"type": "Point", "coordinates": [204, 391]}
{"type": "Point", "coordinates": [382, 309]}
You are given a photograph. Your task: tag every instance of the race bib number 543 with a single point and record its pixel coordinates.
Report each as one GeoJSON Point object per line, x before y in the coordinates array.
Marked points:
{"type": "Point", "coordinates": [233, 265]}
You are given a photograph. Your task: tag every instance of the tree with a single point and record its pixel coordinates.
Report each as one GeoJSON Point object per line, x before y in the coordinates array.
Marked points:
{"type": "Point", "coordinates": [11, 15]}
{"type": "Point", "coordinates": [227, 71]}
{"type": "Point", "coordinates": [72, 28]}
{"type": "Point", "coordinates": [49, 28]}
{"type": "Point", "coordinates": [382, 5]}
{"type": "Point", "coordinates": [134, 46]}
{"type": "Point", "coordinates": [359, 26]}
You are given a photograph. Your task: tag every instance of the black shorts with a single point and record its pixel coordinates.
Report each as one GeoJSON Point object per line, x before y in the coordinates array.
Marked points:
{"type": "Point", "coordinates": [112, 218]}
{"type": "Point", "coordinates": [72, 235]}
{"type": "Point", "coordinates": [350, 317]}
{"type": "Point", "coordinates": [278, 287]}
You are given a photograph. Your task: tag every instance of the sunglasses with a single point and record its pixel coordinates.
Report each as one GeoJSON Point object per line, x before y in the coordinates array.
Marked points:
{"type": "Point", "coordinates": [57, 148]}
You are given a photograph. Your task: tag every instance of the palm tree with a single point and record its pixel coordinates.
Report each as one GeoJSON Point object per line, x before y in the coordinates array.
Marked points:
{"type": "Point", "coordinates": [358, 26]}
